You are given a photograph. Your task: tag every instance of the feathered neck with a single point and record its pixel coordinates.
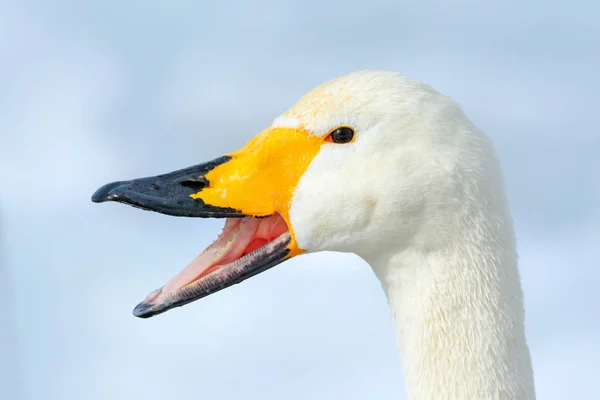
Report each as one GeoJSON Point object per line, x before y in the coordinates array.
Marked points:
{"type": "Point", "coordinates": [458, 305]}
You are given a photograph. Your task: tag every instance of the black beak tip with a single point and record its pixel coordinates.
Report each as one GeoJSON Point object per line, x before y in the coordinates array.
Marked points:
{"type": "Point", "coordinates": [105, 193]}
{"type": "Point", "coordinates": [143, 310]}
{"type": "Point", "coordinates": [147, 309]}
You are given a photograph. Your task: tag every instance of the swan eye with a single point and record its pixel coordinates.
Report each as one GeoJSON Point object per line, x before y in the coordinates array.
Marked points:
{"type": "Point", "coordinates": [341, 135]}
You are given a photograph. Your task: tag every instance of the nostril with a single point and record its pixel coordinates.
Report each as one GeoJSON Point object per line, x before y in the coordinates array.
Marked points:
{"type": "Point", "coordinates": [195, 184]}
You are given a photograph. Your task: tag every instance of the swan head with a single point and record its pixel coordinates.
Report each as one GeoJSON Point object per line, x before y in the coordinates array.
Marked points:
{"type": "Point", "coordinates": [364, 163]}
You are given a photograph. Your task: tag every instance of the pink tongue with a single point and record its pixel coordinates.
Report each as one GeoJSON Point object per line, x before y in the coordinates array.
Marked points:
{"type": "Point", "coordinates": [228, 247]}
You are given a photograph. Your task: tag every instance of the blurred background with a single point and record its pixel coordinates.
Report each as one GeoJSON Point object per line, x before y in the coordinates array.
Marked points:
{"type": "Point", "coordinates": [96, 91]}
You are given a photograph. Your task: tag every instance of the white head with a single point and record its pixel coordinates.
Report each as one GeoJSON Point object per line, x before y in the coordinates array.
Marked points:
{"type": "Point", "coordinates": [406, 179]}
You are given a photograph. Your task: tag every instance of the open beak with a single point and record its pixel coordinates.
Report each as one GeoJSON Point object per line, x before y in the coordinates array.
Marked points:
{"type": "Point", "coordinates": [251, 187]}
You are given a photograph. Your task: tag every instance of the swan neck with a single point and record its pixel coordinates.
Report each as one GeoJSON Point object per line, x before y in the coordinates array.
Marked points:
{"type": "Point", "coordinates": [460, 321]}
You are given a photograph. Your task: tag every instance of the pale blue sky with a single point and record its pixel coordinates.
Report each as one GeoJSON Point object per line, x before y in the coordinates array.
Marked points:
{"type": "Point", "coordinates": [95, 91]}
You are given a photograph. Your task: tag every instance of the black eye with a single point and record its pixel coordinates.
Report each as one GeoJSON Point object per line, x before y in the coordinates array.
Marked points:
{"type": "Point", "coordinates": [341, 135]}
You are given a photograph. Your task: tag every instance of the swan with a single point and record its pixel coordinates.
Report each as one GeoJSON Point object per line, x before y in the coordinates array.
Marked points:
{"type": "Point", "coordinates": [385, 167]}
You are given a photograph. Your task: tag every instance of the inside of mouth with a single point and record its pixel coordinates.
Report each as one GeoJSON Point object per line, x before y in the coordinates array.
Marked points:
{"type": "Point", "coordinates": [240, 236]}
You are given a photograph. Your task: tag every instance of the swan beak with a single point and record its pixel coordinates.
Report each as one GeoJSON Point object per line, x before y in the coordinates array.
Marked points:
{"type": "Point", "coordinates": [257, 180]}
{"type": "Point", "coordinates": [169, 193]}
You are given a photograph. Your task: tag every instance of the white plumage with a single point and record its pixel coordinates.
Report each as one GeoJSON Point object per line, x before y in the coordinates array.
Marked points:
{"type": "Point", "coordinates": [420, 196]}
